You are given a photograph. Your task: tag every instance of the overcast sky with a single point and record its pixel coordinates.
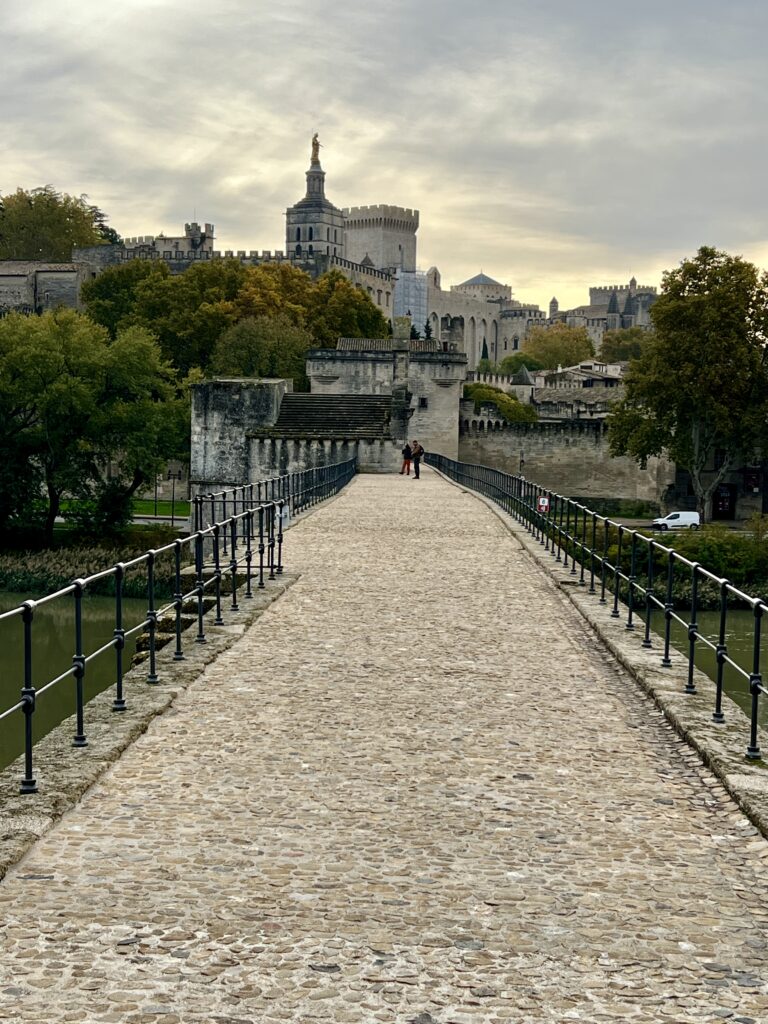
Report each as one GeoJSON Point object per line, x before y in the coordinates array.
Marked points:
{"type": "Point", "coordinates": [550, 143]}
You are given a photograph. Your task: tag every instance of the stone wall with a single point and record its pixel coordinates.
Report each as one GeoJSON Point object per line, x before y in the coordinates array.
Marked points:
{"type": "Point", "coordinates": [224, 412]}
{"type": "Point", "coordinates": [269, 457]}
{"type": "Point", "coordinates": [571, 459]}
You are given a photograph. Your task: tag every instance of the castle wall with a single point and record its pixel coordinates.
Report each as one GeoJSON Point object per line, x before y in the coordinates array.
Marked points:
{"type": "Point", "coordinates": [567, 458]}
{"type": "Point", "coordinates": [268, 457]}
{"type": "Point", "coordinates": [223, 413]}
{"type": "Point", "coordinates": [332, 372]}
{"type": "Point", "coordinates": [436, 380]}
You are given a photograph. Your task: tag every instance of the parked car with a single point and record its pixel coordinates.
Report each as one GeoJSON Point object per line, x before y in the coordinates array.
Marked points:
{"type": "Point", "coordinates": [678, 521]}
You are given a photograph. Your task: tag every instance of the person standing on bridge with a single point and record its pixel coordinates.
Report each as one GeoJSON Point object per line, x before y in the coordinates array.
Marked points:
{"type": "Point", "coordinates": [417, 451]}
{"type": "Point", "coordinates": [406, 452]}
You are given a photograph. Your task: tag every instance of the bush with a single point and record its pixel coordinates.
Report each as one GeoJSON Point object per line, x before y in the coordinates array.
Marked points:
{"type": "Point", "coordinates": [507, 406]}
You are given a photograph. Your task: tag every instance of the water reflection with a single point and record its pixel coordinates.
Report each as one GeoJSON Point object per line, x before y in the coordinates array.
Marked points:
{"type": "Point", "coordinates": [53, 647]}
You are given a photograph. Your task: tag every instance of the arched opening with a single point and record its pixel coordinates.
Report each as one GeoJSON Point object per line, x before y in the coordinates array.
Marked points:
{"type": "Point", "coordinates": [298, 250]}
{"type": "Point", "coordinates": [298, 234]}
{"type": "Point", "coordinates": [310, 249]}
{"type": "Point", "coordinates": [311, 234]}
{"type": "Point", "coordinates": [472, 350]}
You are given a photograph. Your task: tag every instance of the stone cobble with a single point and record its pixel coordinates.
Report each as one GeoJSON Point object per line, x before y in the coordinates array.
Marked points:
{"type": "Point", "coordinates": [416, 790]}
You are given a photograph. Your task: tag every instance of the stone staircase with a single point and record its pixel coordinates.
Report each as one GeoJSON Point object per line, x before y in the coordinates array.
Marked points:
{"type": "Point", "coordinates": [344, 416]}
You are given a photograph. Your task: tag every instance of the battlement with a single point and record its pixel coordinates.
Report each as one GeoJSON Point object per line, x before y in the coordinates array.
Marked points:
{"type": "Point", "coordinates": [140, 240]}
{"type": "Point", "coordinates": [380, 215]}
{"type": "Point", "coordinates": [361, 268]}
{"type": "Point", "coordinates": [608, 289]}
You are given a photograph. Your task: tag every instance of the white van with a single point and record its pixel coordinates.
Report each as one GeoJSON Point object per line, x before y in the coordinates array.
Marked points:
{"type": "Point", "coordinates": [678, 521]}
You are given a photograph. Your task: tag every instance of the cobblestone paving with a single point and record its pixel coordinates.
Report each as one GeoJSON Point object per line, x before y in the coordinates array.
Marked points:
{"type": "Point", "coordinates": [415, 791]}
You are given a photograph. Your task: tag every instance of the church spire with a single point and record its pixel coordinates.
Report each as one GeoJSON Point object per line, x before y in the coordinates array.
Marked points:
{"type": "Point", "coordinates": [315, 174]}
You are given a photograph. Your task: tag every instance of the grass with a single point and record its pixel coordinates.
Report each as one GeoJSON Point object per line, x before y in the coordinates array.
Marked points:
{"type": "Point", "coordinates": [146, 507]}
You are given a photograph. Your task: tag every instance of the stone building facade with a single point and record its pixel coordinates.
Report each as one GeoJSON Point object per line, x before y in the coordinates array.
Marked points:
{"type": "Point", "coordinates": [30, 287]}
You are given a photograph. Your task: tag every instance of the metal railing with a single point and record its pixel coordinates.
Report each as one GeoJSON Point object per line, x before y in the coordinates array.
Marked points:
{"type": "Point", "coordinates": [297, 491]}
{"type": "Point", "coordinates": [244, 549]}
{"type": "Point", "coordinates": [624, 567]}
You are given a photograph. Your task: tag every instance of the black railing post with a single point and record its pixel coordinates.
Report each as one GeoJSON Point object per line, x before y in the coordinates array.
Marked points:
{"type": "Point", "coordinates": [755, 685]}
{"type": "Point", "coordinates": [721, 652]}
{"type": "Point", "coordinates": [218, 621]}
{"type": "Point", "coordinates": [583, 546]}
{"type": "Point", "coordinates": [28, 781]}
{"type": "Point", "coordinates": [649, 597]}
{"type": "Point", "coordinates": [249, 553]}
{"type": "Point", "coordinates": [152, 617]}
{"type": "Point", "coordinates": [118, 704]}
{"type": "Point", "coordinates": [631, 582]}
{"type": "Point", "coordinates": [666, 661]}
{"type": "Point", "coordinates": [271, 510]}
{"type": "Point", "coordinates": [262, 547]}
{"type": "Point", "coordinates": [200, 588]}
{"type": "Point", "coordinates": [617, 576]}
{"type": "Point", "coordinates": [593, 545]}
{"type": "Point", "coordinates": [178, 599]}
{"type": "Point", "coordinates": [567, 531]}
{"type": "Point", "coordinates": [78, 665]}
{"type": "Point", "coordinates": [280, 507]}
{"type": "Point", "coordinates": [690, 686]}
{"type": "Point", "coordinates": [233, 563]}
{"type": "Point", "coordinates": [604, 562]}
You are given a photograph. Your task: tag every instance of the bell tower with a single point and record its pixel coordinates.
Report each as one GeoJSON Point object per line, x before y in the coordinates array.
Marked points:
{"type": "Point", "coordinates": [314, 226]}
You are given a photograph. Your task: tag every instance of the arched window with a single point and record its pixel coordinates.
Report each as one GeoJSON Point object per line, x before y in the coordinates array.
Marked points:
{"type": "Point", "coordinates": [327, 234]}
{"type": "Point", "coordinates": [310, 250]}
{"type": "Point", "coordinates": [378, 296]}
{"type": "Point", "coordinates": [298, 250]}
{"type": "Point", "coordinates": [335, 235]}
{"type": "Point", "coordinates": [387, 298]}
{"type": "Point", "coordinates": [298, 234]}
{"type": "Point", "coordinates": [311, 234]}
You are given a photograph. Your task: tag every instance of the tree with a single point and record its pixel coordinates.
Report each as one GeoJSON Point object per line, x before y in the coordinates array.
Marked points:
{"type": "Point", "coordinates": [623, 344]}
{"type": "Point", "coordinates": [188, 312]}
{"type": "Point", "coordinates": [111, 298]}
{"type": "Point", "coordinates": [514, 363]}
{"type": "Point", "coordinates": [264, 347]}
{"type": "Point", "coordinates": [427, 330]}
{"type": "Point", "coordinates": [509, 407]}
{"type": "Point", "coordinates": [339, 309]}
{"type": "Point", "coordinates": [699, 391]}
{"type": "Point", "coordinates": [415, 333]}
{"type": "Point", "coordinates": [91, 416]}
{"type": "Point", "coordinates": [43, 224]}
{"type": "Point", "coordinates": [558, 345]}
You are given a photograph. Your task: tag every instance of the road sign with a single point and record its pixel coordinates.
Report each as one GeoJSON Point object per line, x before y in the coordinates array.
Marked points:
{"type": "Point", "coordinates": [542, 503]}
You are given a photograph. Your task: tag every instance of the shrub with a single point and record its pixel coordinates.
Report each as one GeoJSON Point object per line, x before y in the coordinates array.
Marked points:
{"type": "Point", "coordinates": [507, 406]}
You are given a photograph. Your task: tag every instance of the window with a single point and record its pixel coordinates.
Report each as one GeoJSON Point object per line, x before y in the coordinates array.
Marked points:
{"type": "Point", "coordinates": [335, 237]}
{"type": "Point", "coordinates": [327, 234]}
{"type": "Point", "coordinates": [311, 234]}
{"type": "Point", "coordinates": [423, 403]}
{"type": "Point", "coordinates": [298, 234]}
{"type": "Point", "coordinates": [310, 249]}
{"type": "Point", "coordinates": [298, 250]}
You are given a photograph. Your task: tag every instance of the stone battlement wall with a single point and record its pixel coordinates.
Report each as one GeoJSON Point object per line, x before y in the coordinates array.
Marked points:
{"type": "Point", "coordinates": [570, 458]}
{"type": "Point", "coordinates": [396, 217]}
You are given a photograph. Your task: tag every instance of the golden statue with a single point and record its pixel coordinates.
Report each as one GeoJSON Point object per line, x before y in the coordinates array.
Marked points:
{"type": "Point", "coordinates": [315, 149]}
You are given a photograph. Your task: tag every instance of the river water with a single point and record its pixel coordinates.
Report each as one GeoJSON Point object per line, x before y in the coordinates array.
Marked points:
{"type": "Point", "coordinates": [53, 646]}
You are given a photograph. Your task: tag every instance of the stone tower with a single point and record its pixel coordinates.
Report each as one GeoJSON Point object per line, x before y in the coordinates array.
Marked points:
{"type": "Point", "coordinates": [385, 234]}
{"type": "Point", "coordinates": [314, 225]}
{"type": "Point", "coordinates": [554, 307]}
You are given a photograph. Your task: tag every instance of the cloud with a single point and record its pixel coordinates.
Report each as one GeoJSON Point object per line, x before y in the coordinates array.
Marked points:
{"type": "Point", "coordinates": [554, 145]}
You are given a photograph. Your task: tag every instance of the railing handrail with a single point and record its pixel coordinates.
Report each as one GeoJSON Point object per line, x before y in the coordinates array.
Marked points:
{"type": "Point", "coordinates": [247, 543]}
{"type": "Point", "coordinates": [561, 525]}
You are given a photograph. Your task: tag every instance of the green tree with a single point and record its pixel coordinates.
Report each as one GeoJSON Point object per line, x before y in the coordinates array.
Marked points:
{"type": "Point", "coordinates": [514, 363]}
{"type": "Point", "coordinates": [415, 333]}
{"type": "Point", "coordinates": [90, 416]}
{"type": "Point", "coordinates": [623, 344]}
{"type": "Point", "coordinates": [427, 330]}
{"type": "Point", "coordinates": [264, 346]}
{"type": "Point", "coordinates": [338, 309]}
{"type": "Point", "coordinates": [699, 391]}
{"type": "Point", "coordinates": [188, 312]}
{"type": "Point", "coordinates": [558, 345]}
{"type": "Point", "coordinates": [111, 298]}
{"type": "Point", "coordinates": [43, 224]}
{"type": "Point", "coordinates": [508, 406]}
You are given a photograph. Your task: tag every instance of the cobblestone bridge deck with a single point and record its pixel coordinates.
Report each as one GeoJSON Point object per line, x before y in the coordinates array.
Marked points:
{"type": "Point", "coordinates": [414, 791]}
